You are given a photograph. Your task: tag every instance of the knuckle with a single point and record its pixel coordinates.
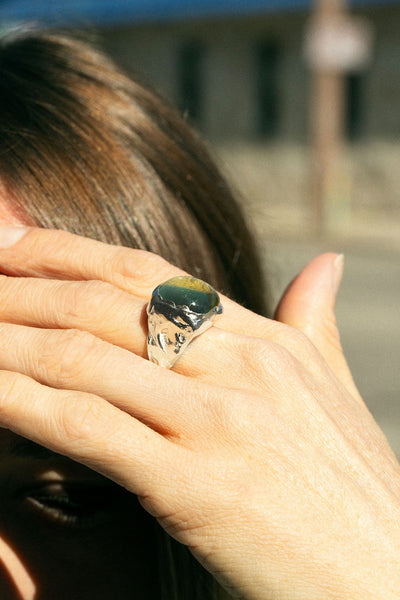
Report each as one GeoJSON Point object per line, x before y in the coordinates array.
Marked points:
{"type": "Point", "coordinates": [246, 349]}
{"type": "Point", "coordinates": [83, 299]}
{"type": "Point", "coordinates": [5, 334]}
{"type": "Point", "coordinates": [11, 386]}
{"type": "Point", "coordinates": [274, 364]}
{"type": "Point", "coordinates": [300, 341]}
{"type": "Point", "coordinates": [35, 241]}
{"type": "Point", "coordinates": [77, 419]}
{"type": "Point", "coordinates": [134, 270]}
{"type": "Point", "coordinates": [76, 341]}
{"type": "Point", "coordinates": [258, 358]}
{"type": "Point", "coordinates": [219, 412]}
{"type": "Point", "coordinates": [12, 288]}
{"type": "Point", "coordinates": [63, 355]}
{"type": "Point", "coordinates": [276, 359]}
{"type": "Point", "coordinates": [300, 344]}
{"type": "Point", "coordinates": [237, 418]}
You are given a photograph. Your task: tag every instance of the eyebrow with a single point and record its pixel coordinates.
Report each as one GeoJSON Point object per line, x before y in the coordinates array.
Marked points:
{"type": "Point", "coordinates": [23, 448]}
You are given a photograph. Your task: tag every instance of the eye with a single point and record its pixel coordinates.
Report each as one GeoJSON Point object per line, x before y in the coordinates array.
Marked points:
{"type": "Point", "coordinates": [76, 505]}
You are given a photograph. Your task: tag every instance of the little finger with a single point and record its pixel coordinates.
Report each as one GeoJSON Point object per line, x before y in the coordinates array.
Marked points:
{"type": "Point", "coordinates": [176, 406]}
{"type": "Point", "coordinates": [87, 429]}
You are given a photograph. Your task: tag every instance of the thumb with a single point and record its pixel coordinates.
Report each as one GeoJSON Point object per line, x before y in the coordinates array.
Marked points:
{"type": "Point", "coordinates": [309, 303]}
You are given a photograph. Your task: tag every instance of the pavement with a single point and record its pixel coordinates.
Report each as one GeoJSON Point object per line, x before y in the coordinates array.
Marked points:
{"type": "Point", "coordinates": [367, 310]}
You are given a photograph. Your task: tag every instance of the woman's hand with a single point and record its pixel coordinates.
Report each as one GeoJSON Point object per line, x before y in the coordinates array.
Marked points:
{"type": "Point", "coordinates": [256, 451]}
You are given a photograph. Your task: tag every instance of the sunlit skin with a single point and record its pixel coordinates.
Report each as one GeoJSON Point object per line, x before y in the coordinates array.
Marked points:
{"type": "Point", "coordinates": [49, 549]}
{"type": "Point", "coordinates": [16, 580]}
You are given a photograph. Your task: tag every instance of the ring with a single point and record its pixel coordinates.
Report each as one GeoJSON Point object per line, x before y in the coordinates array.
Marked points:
{"type": "Point", "coordinates": [180, 309]}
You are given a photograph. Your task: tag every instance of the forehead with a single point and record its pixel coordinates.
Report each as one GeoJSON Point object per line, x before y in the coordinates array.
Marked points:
{"type": "Point", "coordinates": [10, 211]}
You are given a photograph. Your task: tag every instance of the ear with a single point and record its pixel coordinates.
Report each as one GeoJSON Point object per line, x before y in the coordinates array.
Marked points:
{"type": "Point", "coordinates": [309, 304]}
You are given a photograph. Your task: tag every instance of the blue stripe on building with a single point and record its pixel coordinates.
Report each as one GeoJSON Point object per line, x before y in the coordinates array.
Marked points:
{"type": "Point", "coordinates": [119, 11]}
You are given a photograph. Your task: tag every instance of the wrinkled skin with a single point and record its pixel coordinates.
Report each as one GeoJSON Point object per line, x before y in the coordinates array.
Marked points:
{"type": "Point", "coordinates": [256, 450]}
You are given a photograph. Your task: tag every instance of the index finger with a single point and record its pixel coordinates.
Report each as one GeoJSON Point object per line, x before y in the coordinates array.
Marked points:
{"type": "Point", "coordinates": [59, 254]}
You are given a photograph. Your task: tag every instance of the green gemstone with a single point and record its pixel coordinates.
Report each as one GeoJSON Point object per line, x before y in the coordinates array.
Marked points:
{"type": "Point", "coordinates": [189, 291]}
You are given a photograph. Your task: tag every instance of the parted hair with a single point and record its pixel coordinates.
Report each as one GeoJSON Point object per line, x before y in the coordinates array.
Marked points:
{"type": "Point", "coordinates": [85, 148]}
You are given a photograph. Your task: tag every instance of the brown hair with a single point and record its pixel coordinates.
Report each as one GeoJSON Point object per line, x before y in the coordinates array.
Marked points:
{"type": "Point", "coordinates": [84, 148]}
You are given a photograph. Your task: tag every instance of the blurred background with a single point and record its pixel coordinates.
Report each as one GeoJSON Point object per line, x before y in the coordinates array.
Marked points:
{"type": "Point", "coordinates": [301, 104]}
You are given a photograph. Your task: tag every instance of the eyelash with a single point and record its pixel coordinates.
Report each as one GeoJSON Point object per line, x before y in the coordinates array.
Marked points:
{"type": "Point", "coordinates": [76, 506]}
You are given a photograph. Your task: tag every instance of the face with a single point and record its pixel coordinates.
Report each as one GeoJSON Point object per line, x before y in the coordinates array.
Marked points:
{"type": "Point", "coordinates": [65, 531]}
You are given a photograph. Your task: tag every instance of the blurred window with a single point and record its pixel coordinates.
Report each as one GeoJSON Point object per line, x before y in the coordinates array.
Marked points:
{"type": "Point", "coordinates": [190, 80]}
{"type": "Point", "coordinates": [354, 102]}
{"type": "Point", "coordinates": [267, 88]}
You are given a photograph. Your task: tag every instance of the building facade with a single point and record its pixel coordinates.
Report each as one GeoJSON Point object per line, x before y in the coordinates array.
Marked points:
{"type": "Point", "coordinates": [242, 78]}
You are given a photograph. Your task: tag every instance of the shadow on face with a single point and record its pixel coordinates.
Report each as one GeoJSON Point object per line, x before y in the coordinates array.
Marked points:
{"type": "Point", "coordinates": [66, 532]}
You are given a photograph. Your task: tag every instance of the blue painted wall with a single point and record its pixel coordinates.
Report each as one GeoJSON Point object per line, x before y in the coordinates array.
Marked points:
{"type": "Point", "coordinates": [120, 11]}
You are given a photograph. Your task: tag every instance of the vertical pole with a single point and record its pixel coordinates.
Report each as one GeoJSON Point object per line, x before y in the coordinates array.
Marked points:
{"type": "Point", "coordinates": [329, 185]}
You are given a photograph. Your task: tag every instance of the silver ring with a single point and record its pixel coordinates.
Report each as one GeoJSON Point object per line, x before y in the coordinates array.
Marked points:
{"type": "Point", "coordinates": [180, 309]}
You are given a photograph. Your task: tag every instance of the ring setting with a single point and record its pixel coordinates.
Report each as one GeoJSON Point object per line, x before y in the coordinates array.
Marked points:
{"type": "Point", "coordinates": [180, 309]}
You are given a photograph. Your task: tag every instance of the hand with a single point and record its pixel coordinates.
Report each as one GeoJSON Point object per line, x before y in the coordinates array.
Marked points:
{"type": "Point", "coordinates": [252, 452]}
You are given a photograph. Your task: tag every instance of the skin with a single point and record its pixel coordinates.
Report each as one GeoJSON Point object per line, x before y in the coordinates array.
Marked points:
{"type": "Point", "coordinates": [43, 544]}
{"type": "Point", "coordinates": [52, 550]}
{"type": "Point", "coordinates": [256, 451]}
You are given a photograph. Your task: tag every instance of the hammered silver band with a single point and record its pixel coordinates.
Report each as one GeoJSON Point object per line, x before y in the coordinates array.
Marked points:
{"type": "Point", "coordinates": [180, 309]}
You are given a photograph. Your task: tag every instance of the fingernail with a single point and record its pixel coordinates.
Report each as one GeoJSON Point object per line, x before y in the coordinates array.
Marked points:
{"type": "Point", "coordinates": [338, 265]}
{"type": "Point", "coordinates": [10, 235]}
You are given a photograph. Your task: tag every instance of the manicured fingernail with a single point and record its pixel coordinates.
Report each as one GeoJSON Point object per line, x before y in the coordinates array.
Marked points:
{"type": "Point", "coordinates": [10, 235]}
{"type": "Point", "coordinates": [338, 264]}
